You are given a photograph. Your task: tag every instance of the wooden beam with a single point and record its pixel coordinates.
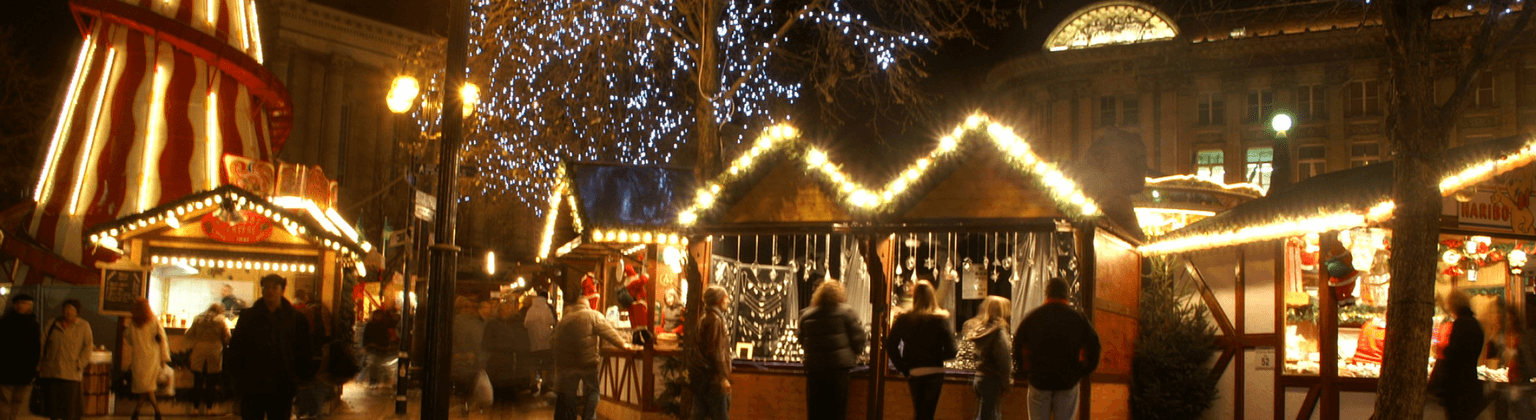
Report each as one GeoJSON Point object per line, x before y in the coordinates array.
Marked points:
{"type": "Point", "coordinates": [1308, 404]}
{"type": "Point", "coordinates": [1222, 322]}
{"type": "Point", "coordinates": [1221, 362]}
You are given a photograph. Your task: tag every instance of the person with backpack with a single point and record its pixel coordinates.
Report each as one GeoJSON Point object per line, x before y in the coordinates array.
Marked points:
{"type": "Point", "coordinates": [919, 342]}
{"type": "Point", "coordinates": [833, 339]}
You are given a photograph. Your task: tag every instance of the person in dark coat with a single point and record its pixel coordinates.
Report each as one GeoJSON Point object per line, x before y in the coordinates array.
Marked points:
{"type": "Point", "coordinates": [18, 357]}
{"type": "Point", "coordinates": [712, 389]}
{"type": "Point", "coordinates": [383, 345]}
{"type": "Point", "coordinates": [919, 342]}
{"type": "Point", "coordinates": [1454, 378]}
{"type": "Point", "coordinates": [270, 354]}
{"type": "Point", "coordinates": [502, 350]}
{"type": "Point", "coordinates": [832, 338]}
{"type": "Point", "coordinates": [994, 370]}
{"type": "Point", "coordinates": [1057, 347]}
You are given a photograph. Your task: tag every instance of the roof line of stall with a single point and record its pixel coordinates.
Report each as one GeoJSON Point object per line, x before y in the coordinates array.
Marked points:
{"type": "Point", "coordinates": [324, 227]}
{"type": "Point", "coordinates": [1341, 218]}
{"type": "Point", "coordinates": [881, 199]}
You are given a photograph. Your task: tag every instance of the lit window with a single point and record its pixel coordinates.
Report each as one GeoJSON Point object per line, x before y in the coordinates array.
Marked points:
{"type": "Point", "coordinates": [1485, 91]}
{"type": "Point", "coordinates": [1212, 109]}
{"type": "Point", "coordinates": [1364, 153]}
{"type": "Point", "coordinates": [1211, 165]}
{"type": "Point", "coordinates": [1111, 24]}
{"type": "Point", "coordinates": [1260, 165]}
{"type": "Point", "coordinates": [1310, 103]}
{"type": "Point", "coordinates": [1261, 104]}
{"type": "Point", "coordinates": [1106, 111]}
{"type": "Point", "coordinates": [1362, 98]}
{"type": "Point", "coordinates": [1310, 161]}
{"type": "Point", "coordinates": [1130, 112]}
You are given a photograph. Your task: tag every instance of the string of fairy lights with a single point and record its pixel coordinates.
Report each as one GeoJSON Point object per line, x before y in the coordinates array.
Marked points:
{"type": "Point", "coordinates": [570, 80]}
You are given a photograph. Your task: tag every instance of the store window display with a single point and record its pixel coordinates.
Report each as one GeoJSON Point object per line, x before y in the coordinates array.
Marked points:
{"type": "Point", "coordinates": [1352, 266]}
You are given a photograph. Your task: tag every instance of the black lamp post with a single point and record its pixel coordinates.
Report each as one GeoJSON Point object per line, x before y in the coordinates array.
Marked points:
{"type": "Point", "coordinates": [435, 395]}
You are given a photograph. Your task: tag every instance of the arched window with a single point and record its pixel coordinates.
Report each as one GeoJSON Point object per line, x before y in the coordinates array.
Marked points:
{"type": "Point", "coordinates": [1111, 23]}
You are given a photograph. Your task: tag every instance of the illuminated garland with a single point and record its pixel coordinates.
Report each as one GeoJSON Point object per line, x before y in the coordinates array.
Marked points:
{"type": "Point", "coordinates": [616, 81]}
{"type": "Point", "coordinates": [1068, 196]}
{"type": "Point", "coordinates": [1342, 219]}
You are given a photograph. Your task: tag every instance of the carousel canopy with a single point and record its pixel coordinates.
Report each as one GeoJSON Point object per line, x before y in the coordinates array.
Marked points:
{"type": "Point", "coordinates": [1340, 200]}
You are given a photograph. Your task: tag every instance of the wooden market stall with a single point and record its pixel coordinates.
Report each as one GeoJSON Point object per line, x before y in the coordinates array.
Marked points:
{"type": "Point", "coordinates": [617, 234]}
{"type": "Point", "coordinates": [980, 214]}
{"type": "Point", "coordinates": [1297, 281]}
{"type": "Point", "coordinates": [214, 246]}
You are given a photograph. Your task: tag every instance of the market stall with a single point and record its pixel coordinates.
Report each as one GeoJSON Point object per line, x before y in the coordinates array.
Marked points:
{"type": "Point", "coordinates": [981, 214]}
{"type": "Point", "coordinates": [619, 244]}
{"type": "Point", "coordinates": [214, 246]}
{"type": "Point", "coordinates": [1309, 277]}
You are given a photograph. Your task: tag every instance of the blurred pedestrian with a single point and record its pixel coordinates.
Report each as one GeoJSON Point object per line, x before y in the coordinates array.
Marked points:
{"type": "Point", "coordinates": [66, 352]}
{"type": "Point", "coordinates": [919, 342]}
{"type": "Point", "coordinates": [208, 336]}
{"type": "Point", "coordinates": [833, 339]}
{"type": "Point", "coordinates": [671, 313]}
{"type": "Point", "coordinates": [1056, 346]}
{"type": "Point", "coordinates": [577, 359]}
{"type": "Point", "coordinates": [469, 355]}
{"type": "Point", "coordinates": [712, 369]}
{"type": "Point", "coordinates": [19, 356]}
{"type": "Point", "coordinates": [270, 354]}
{"type": "Point", "coordinates": [232, 304]}
{"type": "Point", "coordinates": [149, 353]}
{"type": "Point", "coordinates": [1520, 355]}
{"type": "Point", "coordinates": [1454, 378]}
{"type": "Point", "coordinates": [383, 346]}
{"type": "Point", "coordinates": [501, 349]}
{"type": "Point", "coordinates": [540, 323]}
{"type": "Point", "coordinates": [988, 331]}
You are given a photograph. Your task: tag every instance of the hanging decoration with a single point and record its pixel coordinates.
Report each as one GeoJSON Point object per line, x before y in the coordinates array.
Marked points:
{"type": "Point", "coordinates": [1460, 255]}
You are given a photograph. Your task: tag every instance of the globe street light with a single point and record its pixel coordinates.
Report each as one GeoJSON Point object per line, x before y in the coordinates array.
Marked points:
{"type": "Point", "coordinates": [402, 94]}
{"type": "Point", "coordinates": [1282, 174]}
{"type": "Point", "coordinates": [1281, 123]}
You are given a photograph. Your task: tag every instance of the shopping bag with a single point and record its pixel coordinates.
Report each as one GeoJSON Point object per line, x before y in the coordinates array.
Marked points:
{"type": "Point", "coordinates": [165, 385]}
{"type": "Point", "coordinates": [483, 395]}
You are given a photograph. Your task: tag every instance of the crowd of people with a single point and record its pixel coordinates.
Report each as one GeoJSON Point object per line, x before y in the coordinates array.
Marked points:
{"type": "Point", "coordinates": [504, 347]}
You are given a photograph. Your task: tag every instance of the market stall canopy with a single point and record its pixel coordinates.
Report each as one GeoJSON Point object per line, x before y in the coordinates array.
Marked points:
{"type": "Point", "coordinates": [981, 169]}
{"type": "Point", "coordinates": [1340, 200]}
{"type": "Point", "coordinates": [1171, 202]}
{"type": "Point", "coordinates": [598, 208]}
{"type": "Point", "coordinates": [230, 214]}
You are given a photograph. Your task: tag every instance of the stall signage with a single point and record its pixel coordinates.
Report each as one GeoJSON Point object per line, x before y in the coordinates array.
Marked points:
{"type": "Point", "coordinates": [249, 174]}
{"type": "Point", "coordinates": [119, 289]}
{"type": "Point", "coordinates": [426, 206]}
{"type": "Point", "coordinates": [252, 228]}
{"type": "Point", "coordinates": [1503, 210]}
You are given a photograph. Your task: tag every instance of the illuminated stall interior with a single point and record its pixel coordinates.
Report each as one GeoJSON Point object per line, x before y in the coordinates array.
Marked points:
{"type": "Point", "coordinates": [1327, 241]}
{"type": "Point", "coordinates": [1172, 202]}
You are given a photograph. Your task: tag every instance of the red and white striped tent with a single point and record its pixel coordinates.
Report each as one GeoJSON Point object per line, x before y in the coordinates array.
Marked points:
{"type": "Point", "coordinates": [162, 91]}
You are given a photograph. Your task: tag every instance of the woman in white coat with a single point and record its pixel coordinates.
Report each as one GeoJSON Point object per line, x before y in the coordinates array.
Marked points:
{"type": "Point", "coordinates": [148, 354]}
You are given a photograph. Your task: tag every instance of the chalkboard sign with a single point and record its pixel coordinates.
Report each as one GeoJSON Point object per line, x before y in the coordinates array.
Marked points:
{"type": "Point", "coordinates": [119, 288]}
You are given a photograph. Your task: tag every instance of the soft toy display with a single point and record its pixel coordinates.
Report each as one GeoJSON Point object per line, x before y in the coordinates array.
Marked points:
{"type": "Point", "coordinates": [1342, 277]}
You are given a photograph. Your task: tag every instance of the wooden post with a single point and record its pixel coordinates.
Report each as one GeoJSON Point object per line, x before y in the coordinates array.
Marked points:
{"type": "Point", "coordinates": [1328, 330]}
{"type": "Point", "coordinates": [877, 254]}
{"type": "Point", "coordinates": [1087, 275]}
{"type": "Point", "coordinates": [1240, 280]}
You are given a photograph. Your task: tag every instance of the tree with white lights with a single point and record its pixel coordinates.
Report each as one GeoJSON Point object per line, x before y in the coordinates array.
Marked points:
{"type": "Point", "coordinates": [645, 81]}
{"type": "Point", "coordinates": [1418, 128]}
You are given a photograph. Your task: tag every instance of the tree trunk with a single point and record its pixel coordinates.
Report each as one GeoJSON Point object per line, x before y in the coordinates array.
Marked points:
{"type": "Point", "coordinates": [706, 128]}
{"type": "Point", "coordinates": [1418, 138]}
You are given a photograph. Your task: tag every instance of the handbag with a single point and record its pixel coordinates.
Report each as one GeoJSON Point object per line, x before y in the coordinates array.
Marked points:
{"type": "Point", "coordinates": [165, 385]}
{"type": "Point", "coordinates": [38, 404]}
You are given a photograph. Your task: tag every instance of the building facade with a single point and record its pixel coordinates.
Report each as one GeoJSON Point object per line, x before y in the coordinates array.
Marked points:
{"type": "Point", "coordinates": [1201, 87]}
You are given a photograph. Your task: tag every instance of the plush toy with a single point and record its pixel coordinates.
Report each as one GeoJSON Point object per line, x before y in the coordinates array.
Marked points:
{"type": "Point", "coordinates": [589, 290]}
{"type": "Point", "coordinates": [635, 283]}
{"type": "Point", "coordinates": [1342, 277]}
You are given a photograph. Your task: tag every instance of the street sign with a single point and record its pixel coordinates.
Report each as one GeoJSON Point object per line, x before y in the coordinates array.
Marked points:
{"type": "Point", "coordinates": [426, 206]}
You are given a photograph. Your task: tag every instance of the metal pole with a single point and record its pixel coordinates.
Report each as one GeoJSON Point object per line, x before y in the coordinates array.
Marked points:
{"type": "Point", "coordinates": [403, 364]}
{"type": "Point", "coordinates": [435, 404]}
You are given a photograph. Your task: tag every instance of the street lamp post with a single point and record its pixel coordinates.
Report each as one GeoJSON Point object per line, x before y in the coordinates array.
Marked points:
{"type": "Point", "coordinates": [1282, 175]}
{"type": "Point", "coordinates": [402, 97]}
{"type": "Point", "coordinates": [445, 264]}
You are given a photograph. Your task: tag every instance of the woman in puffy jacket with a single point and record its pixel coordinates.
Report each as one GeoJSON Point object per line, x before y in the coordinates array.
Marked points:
{"type": "Point", "coordinates": [989, 332]}
{"type": "Point", "coordinates": [148, 355]}
{"type": "Point", "coordinates": [919, 342]}
{"type": "Point", "coordinates": [833, 339]}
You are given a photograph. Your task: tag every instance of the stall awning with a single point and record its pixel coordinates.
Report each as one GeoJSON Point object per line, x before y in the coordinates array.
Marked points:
{"type": "Point", "coordinates": [239, 214]}
{"type": "Point", "coordinates": [613, 206]}
{"type": "Point", "coordinates": [1339, 200]}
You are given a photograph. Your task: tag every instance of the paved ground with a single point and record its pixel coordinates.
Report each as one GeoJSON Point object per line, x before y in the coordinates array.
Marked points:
{"type": "Point", "coordinates": [361, 403]}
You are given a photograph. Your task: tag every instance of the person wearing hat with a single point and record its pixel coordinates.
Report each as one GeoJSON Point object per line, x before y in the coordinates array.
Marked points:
{"type": "Point", "coordinates": [18, 358]}
{"type": "Point", "coordinates": [634, 283]}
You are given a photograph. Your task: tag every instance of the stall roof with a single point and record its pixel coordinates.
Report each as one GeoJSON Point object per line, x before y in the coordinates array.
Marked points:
{"type": "Point", "coordinates": [618, 204]}
{"type": "Point", "coordinates": [908, 195]}
{"type": "Point", "coordinates": [298, 216]}
{"type": "Point", "coordinates": [1339, 200]}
